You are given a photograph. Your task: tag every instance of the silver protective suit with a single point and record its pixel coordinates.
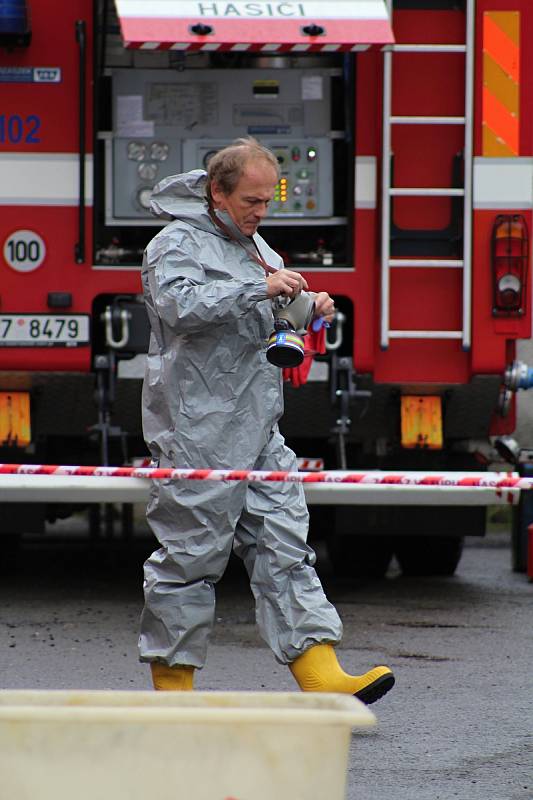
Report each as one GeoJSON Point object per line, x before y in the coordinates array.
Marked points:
{"type": "Point", "coordinates": [211, 399]}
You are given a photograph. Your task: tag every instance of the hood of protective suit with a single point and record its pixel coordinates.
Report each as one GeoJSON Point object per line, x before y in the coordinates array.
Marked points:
{"type": "Point", "coordinates": [183, 197]}
{"type": "Point", "coordinates": [180, 196]}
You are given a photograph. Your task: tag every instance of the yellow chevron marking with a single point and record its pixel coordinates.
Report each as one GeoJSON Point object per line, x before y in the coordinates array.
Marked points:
{"type": "Point", "coordinates": [509, 22]}
{"type": "Point", "coordinates": [493, 146]}
{"type": "Point", "coordinates": [500, 85]}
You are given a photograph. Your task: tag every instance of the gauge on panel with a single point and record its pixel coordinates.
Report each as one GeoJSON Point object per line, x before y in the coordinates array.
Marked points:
{"type": "Point", "coordinates": [159, 151]}
{"type": "Point", "coordinates": [147, 171]}
{"type": "Point", "coordinates": [136, 151]}
{"type": "Point", "coordinates": [144, 195]}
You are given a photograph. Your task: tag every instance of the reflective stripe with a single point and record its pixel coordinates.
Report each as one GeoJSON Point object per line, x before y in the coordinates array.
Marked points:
{"type": "Point", "coordinates": [501, 83]}
{"type": "Point", "coordinates": [503, 183]}
{"type": "Point", "coordinates": [43, 179]}
{"type": "Point", "coordinates": [501, 126]}
{"type": "Point", "coordinates": [501, 40]}
{"type": "Point", "coordinates": [365, 195]}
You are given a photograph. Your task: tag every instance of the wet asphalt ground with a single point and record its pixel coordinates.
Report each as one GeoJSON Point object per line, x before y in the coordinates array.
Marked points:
{"type": "Point", "coordinates": [458, 723]}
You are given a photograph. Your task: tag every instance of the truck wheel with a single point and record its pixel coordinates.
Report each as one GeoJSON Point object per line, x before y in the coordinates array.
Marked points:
{"type": "Point", "coordinates": [354, 556]}
{"type": "Point", "coordinates": [428, 555]}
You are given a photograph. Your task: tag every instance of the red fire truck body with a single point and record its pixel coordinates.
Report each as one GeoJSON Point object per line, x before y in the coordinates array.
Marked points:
{"type": "Point", "coordinates": [405, 144]}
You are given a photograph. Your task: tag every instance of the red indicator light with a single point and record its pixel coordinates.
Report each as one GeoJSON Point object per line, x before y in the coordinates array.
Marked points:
{"type": "Point", "coordinates": [510, 262]}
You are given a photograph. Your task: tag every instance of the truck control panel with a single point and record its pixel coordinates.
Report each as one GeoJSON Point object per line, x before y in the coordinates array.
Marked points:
{"type": "Point", "coordinates": [167, 121]}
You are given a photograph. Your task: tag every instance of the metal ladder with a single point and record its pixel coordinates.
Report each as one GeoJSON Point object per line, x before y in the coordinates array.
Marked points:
{"type": "Point", "coordinates": [388, 263]}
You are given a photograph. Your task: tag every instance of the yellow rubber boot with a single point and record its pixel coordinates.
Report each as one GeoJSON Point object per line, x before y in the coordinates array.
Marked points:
{"type": "Point", "coordinates": [318, 670]}
{"type": "Point", "coordinates": [171, 679]}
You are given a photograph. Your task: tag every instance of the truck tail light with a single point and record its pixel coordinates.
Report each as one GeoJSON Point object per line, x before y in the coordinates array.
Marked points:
{"type": "Point", "coordinates": [509, 264]}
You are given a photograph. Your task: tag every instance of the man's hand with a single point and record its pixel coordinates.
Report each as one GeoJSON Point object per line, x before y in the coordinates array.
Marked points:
{"type": "Point", "coordinates": [324, 307]}
{"type": "Point", "coordinates": [285, 282]}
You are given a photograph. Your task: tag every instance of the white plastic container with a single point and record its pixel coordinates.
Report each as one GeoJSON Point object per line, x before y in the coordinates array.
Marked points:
{"type": "Point", "coordinates": [176, 746]}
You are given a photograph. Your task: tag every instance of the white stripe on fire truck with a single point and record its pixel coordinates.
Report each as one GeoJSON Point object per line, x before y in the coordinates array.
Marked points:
{"type": "Point", "coordinates": [365, 195]}
{"type": "Point", "coordinates": [43, 179]}
{"type": "Point", "coordinates": [52, 179]}
{"type": "Point", "coordinates": [502, 183]}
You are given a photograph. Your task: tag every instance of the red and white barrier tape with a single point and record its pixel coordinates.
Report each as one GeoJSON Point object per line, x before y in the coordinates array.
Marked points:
{"type": "Point", "coordinates": [492, 480]}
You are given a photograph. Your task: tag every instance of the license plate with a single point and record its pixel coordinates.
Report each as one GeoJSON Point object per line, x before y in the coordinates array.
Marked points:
{"type": "Point", "coordinates": [43, 330]}
{"type": "Point", "coordinates": [422, 422]}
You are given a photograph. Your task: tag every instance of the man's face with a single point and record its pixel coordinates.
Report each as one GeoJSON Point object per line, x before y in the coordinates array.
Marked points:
{"type": "Point", "coordinates": [248, 203]}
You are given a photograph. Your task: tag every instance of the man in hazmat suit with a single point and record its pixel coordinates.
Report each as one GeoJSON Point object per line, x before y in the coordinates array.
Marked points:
{"type": "Point", "coordinates": [211, 399]}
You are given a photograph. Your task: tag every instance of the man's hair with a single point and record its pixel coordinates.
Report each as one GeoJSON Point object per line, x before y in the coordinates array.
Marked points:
{"type": "Point", "coordinates": [227, 166]}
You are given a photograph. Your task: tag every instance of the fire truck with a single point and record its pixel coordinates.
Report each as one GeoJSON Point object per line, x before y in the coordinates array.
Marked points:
{"type": "Point", "coordinates": [404, 136]}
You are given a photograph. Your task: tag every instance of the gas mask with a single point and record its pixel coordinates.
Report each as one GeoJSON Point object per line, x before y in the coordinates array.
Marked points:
{"type": "Point", "coordinates": [286, 345]}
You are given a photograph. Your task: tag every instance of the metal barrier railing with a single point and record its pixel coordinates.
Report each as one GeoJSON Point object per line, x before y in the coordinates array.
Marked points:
{"type": "Point", "coordinates": [76, 484]}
